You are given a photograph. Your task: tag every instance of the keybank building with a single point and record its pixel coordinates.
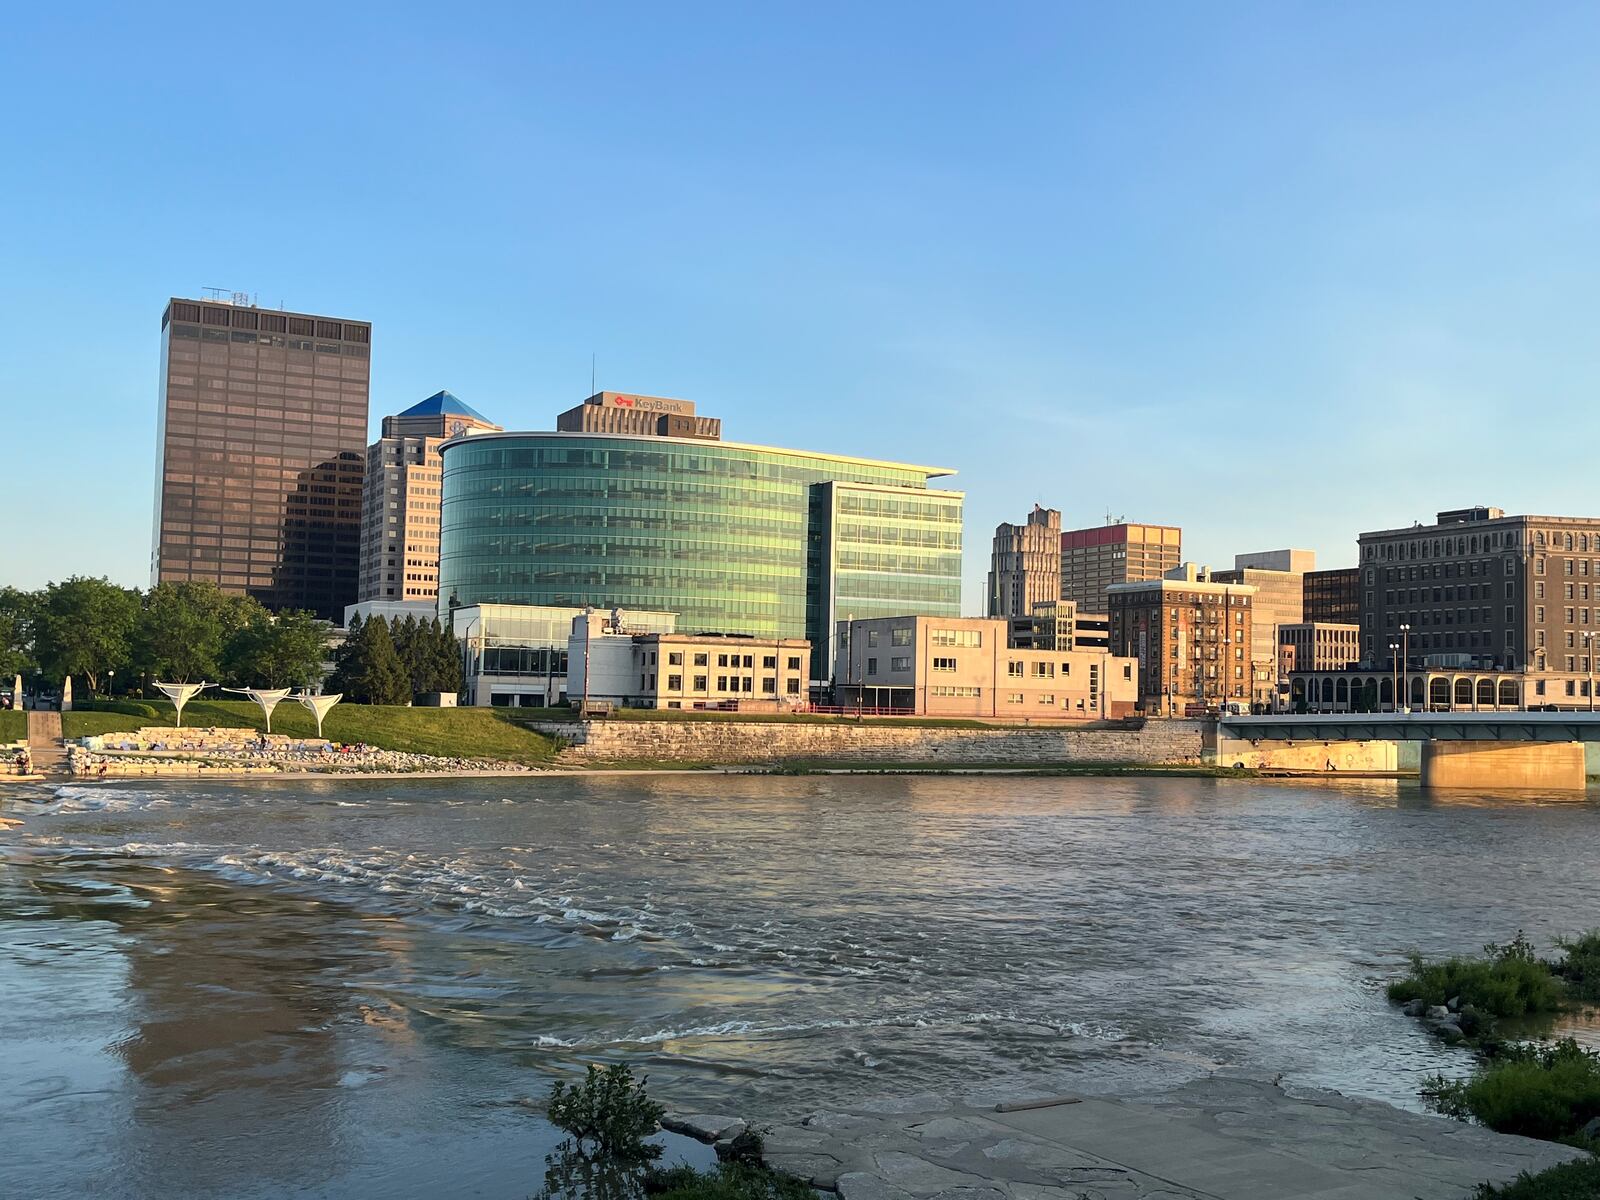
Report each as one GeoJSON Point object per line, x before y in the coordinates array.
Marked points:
{"type": "Point", "coordinates": [668, 518]}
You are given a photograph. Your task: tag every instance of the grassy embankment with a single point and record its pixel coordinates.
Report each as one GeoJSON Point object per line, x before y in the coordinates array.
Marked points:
{"type": "Point", "coordinates": [13, 725]}
{"type": "Point", "coordinates": [1535, 1089]}
{"type": "Point", "coordinates": [447, 732]}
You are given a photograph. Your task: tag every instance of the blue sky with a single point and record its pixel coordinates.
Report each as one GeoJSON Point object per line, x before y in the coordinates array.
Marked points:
{"type": "Point", "coordinates": [1276, 273]}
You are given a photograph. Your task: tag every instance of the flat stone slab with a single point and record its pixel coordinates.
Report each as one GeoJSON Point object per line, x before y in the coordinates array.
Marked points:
{"type": "Point", "coordinates": [1224, 1137]}
{"type": "Point", "coordinates": [703, 1127]}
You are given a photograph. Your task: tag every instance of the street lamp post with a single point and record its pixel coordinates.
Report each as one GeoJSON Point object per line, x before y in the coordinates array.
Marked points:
{"type": "Point", "coordinates": [1394, 670]}
{"type": "Point", "coordinates": [111, 679]}
{"type": "Point", "coordinates": [1405, 663]}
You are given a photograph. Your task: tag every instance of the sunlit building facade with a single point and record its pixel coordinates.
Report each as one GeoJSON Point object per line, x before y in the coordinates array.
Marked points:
{"type": "Point", "coordinates": [261, 436]}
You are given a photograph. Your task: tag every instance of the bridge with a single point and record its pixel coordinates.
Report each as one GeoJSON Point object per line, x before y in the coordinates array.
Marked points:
{"type": "Point", "coordinates": [1513, 750]}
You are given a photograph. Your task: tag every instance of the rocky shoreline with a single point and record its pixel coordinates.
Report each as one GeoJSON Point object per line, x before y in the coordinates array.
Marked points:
{"type": "Point", "coordinates": [1238, 1135]}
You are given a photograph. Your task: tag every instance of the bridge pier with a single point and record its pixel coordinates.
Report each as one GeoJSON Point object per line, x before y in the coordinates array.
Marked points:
{"type": "Point", "coordinates": [1518, 766]}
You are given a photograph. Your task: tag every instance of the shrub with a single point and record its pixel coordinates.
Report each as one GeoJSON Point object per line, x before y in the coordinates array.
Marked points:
{"type": "Point", "coordinates": [726, 1181]}
{"type": "Point", "coordinates": [1544, 1091]}
{"type": "Point", "coordinates": [128, 708]}
{"type": "Point", "coordinates": [1570, 1181]}
{"type": "Point", "coordinates": [1509, 981]}
{"type": "Point", "coordinates": [608, 1114]}
{"type": "Point", "coordinates": [1580, 966]}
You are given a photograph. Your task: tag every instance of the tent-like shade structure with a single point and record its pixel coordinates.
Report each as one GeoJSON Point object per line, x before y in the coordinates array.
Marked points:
{"type": "Point", "coordinates": [266, 697]}
{"type": "Point", "coordinates": [180, 694]}
{"type": "Point", "coordinates": [318, 706]}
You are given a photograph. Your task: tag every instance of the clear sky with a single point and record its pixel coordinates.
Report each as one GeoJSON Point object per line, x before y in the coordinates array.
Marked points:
{"type": "Point", "coordinates": [1275, 272]}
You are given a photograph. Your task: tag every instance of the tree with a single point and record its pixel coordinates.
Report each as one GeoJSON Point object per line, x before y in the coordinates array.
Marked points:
{"type": "Point", "coordinates": [371, 671]}
{"type": "Point", "coordinates": [18, 612]}
{"type": "Point", "coordinates": [444, 659]}
{"type": "Point", "coordinates": [410, 644]}
{"type": "Point", "coordinates": [344, 654]}
{"type": "Point", "coordinates": [85, 627]}
{"type": "Point", "coordinates": [278, 650]}
{"type": "Point", "coordinates": [184, 629]}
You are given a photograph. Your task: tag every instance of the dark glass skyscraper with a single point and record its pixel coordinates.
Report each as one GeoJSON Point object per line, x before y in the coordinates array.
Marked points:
{"type": "Point", "coordinates": [262, 435]}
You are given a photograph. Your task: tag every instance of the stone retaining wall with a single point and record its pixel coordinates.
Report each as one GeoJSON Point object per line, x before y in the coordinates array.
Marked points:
{"type": "Point", "coordinates": [735, 742]}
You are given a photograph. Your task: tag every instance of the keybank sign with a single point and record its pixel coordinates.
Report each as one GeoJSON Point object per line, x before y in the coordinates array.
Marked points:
{"type": "Point", "coordinates": [656, 404]}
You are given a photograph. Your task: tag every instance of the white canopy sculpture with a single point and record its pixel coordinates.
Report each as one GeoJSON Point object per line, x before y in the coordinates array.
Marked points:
{"type": "Point", "coordinates": [180, 694]}
{"type": "Point", "coordinates": [266, 697]}
{"type": "Point", "coordinates": [319, 705]}
{"type": "Point", "coordinates": [16, 694]}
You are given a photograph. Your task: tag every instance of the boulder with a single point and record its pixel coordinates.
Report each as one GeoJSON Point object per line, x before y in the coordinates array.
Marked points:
{"type": "Point", "coordinates": [1437, 1013]}
{"type": "Point", "coordinates": [1453, 1004]}
{"type": "Point", "coordinates": [703, 1127]}
{"type": "Point", "coordinates": [1414, 1008]}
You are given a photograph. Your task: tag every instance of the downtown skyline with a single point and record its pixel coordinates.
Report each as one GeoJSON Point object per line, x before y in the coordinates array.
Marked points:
{"type": "Point", "coordinates": [1274, 278]}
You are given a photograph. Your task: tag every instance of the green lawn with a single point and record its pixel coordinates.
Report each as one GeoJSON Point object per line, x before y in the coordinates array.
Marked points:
{"type": "Point", "coordinates": [450, 732]}
{"type": "Point", "coordinates": [13, 725]}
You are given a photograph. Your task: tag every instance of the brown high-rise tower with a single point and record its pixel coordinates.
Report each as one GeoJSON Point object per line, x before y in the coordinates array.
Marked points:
{"type": "Point", "coordinates": [262, 435]}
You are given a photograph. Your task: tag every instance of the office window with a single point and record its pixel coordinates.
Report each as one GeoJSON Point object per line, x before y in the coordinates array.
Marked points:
{"type": "Point", "coordinates": [900, 636]}
{"type": "Point", "coordinates": [1014, 668]}
{"type": "Point", "coordinates": [701, 660]}
{"type": "Point", "coordinates": [675, 683]}
{"type": "Point", "coordinates": [699, 683]}
{"type": "Point", "coordinates": [675, 658]}
{"type": "Point", "coordinates": [872, 637]}
{"type": "Point", "coordinates": [794, 662]}
{"type": "Point", "coordinates": [872, 666]}
{"type": "Point", "coordinates": [944, 664]}
{"type": "Point", "coordinates": [793, 687]}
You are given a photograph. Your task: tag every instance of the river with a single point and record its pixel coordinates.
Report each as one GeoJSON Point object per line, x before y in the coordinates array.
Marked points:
{"type": "Point", "coordinates": [352, 989]}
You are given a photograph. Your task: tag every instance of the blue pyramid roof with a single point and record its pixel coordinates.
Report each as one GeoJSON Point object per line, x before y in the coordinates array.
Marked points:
{"type": "Point", "coordinates": [443, 404]}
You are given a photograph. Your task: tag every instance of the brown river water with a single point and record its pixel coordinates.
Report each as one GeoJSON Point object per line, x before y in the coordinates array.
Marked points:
{"type": "Point", "coordinates": [351, 989]}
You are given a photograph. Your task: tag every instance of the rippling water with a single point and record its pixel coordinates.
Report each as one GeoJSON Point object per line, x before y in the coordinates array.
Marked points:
{"type": "Point", "coordinates": [346, 988]}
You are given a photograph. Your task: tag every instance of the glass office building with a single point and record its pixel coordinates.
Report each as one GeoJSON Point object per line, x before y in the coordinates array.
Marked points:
{"type": "Point", "coordinates": [262, 436]}
{"type": "Point", "coordinates": [732, 538]}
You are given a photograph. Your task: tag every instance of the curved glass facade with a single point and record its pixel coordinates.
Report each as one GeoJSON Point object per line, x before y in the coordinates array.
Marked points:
{"type": "Point", "coordinates": [735, 539]}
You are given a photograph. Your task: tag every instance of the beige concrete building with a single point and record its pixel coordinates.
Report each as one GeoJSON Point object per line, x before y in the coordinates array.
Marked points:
{"type": "Point", "coordinates": [652, 416]}
{"type": "Point", "coordinates": [401, 503]}
{"type": "Point", "coordinates": [1058, 625]}
{"type": "Point", "coordinates": [1279, 601]}
{"type": "Point", "coordinates": [963, 667]}
{"type": "Point", "coordinates": [1025, 564]}
{"type": "Point", "coordinates": [1192, 638]}
{"type": "Point", "coordinates": [1298, 562]}
{"type": "Point", "coordinates": [1092, 560]}
{"type": "Point", "coordinates": [1320, 646]}
{"type": "Point", "coordinates": [706, 671]}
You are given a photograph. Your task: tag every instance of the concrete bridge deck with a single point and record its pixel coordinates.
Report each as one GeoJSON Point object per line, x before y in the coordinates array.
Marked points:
{"type": "Point", "coordinates": [1416, 727]}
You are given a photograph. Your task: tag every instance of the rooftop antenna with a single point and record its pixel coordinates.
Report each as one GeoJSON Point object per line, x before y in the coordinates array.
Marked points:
{"type": "Point", "coordinates": [591, 372]}
{"type": "Point", "coordinates": [215, 293]}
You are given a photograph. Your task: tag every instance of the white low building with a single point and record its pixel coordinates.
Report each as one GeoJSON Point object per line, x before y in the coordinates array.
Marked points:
{"type": "Point", "coordinates": [515, 655]}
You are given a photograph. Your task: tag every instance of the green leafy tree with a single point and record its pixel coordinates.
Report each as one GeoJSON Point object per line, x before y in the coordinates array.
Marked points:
{"type": "Point", "coordinates": [85, 627]}
{"type": "Point", "coordinates": [18, 612]}
{"type": "Point", "coordinates": [184, 628]}
{"type": "Point", "coordinates": [285, 649]}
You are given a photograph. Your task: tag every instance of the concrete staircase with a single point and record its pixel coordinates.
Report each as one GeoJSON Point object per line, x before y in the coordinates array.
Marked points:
{"type": "Point", "coordinates": [44, 743]}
